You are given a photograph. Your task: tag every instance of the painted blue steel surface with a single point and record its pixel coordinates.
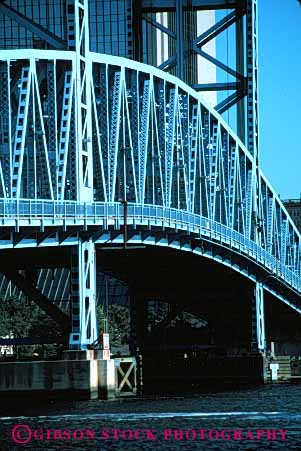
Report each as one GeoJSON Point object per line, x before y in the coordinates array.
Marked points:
{"type": "Point", "coordinates": [47, 214]}
{"type": "Point", "coordinates": [154, 143]}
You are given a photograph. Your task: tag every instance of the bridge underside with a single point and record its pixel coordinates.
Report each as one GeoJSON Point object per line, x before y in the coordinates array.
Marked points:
{"type": "Point", "coordinates": [97, 151]}
{"type": "Point", "coordinates": [178, 283]}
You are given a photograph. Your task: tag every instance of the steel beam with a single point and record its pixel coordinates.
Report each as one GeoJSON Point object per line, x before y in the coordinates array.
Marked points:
{"type": "Point", "coordinates": [78, 40]}
{"type": "Point", "coordinates": [29, 289]}
{"type": "Point", "coordinates": [180, 41]}
{"type": "Point", "coordinates": [153, 6]}
{"type": "Point", "coordinates": [218, 63]}
{"type": "Point", "coordinates": [137, 29]}
{"type": "Point", "coordinates": [218, 28]}
{"type": "Point", "coordinates": [158, 25]}
{"type": "Point", "coordinates": [246, 41]}
{"type": "Point", "coordinates": [217, 86]}
{"type": "Point", "coordinates": [83, 276]}
{"type": "Point", "coordinates": [240, 65]}
{"type": "Point", "coordinates": [170, 62]}
{"type": "Point", "coordinates": [229, 101]}
{"type": "Point", "coordinates": [258, 320]}
{"type": "Point", "coordinates": [252, 77]}
{"type": "Point", "coordinates": [173, 150]}
{"type": "Point", "coordinates": [83, 292]}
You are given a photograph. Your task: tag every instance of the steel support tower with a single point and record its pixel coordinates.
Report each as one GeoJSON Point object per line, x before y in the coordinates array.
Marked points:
{"type": "Point", "coordinates": [242, 13]}
{"type": "Point", "coordinates": [106, 130]}
{"type": "Point", "coordinates": [79, 186]}
{"type": "Point", "coordinates": [83, 270]}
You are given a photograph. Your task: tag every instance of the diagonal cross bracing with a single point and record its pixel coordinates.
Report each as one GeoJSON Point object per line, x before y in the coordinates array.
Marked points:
{"type": "Point", "coordinates": [156, 141]}
{"type": "Point", "coordinates": [29, 289]}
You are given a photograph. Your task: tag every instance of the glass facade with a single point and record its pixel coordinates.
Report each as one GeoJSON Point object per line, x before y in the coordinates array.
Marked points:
{"type": "Point", "coordinates": [117, 27]}
{"type": "Point", "coordinates": [293, 206]}
{"type": "Point", "coordinates": [189, 34]}
{"type": "Point", "coordinates": [110, 25]}
{"type": "Point", "coordinates": [50, 14]}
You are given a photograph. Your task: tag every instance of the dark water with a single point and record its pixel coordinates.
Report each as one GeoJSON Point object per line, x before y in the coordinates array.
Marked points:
{"type": "Point", "coordinates": [223, 419]}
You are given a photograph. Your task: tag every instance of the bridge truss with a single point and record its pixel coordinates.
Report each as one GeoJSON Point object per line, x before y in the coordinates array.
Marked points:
{"type": "Point", "coordinates": [84, 136]}
{"type": "Point", "coordinates": [154, 144]}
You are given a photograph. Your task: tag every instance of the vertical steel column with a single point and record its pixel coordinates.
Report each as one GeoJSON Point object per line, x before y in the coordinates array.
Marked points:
{"type": "Point", "coordinates": [258, 322]}
{"type": "Point", "coordinates": [240, 68]}
{"type": "Point", "coordinates": [83, 290]}
{"type": "Point", "coordinates": [137, 30]}
{"type": "Point", "coordinates": [252, 112]}
{"type": "Point", "coordinates": [180, 39]}
{"type": "Point", "coordinates": [78, 40]}
{"type": "Point", "coordinates": [84, 330]}
{"type": "Point", "coordinates": [252, 77]}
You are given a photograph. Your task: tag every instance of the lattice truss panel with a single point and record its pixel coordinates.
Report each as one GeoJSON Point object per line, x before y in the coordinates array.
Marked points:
{"type": "Point", "coordinates": [153, 142]}
{"type": "Point", "coordinates": [37, 129]}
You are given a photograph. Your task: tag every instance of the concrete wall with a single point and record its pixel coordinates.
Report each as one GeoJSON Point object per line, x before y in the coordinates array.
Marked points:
{"type": "Point", "coordinates": [85, 378]}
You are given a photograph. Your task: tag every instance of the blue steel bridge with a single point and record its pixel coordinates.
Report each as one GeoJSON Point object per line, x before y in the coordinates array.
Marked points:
{"type": "Point", "coordinates": [100, 151]}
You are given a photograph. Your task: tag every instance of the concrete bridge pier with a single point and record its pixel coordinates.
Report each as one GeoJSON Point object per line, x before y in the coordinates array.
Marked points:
{"type": "Point", "coordinates": [78, 375]}
{"type": "Point", "coordinates": [81, 372]}
{"type": "Point", "coordinates": [100, 372]}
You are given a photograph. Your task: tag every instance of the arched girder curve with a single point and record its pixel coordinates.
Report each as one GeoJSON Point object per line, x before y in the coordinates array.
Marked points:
{"type": "Point", "coordinates": [154, 143]}
{"type": "Point", "coordinates": [203, 248]}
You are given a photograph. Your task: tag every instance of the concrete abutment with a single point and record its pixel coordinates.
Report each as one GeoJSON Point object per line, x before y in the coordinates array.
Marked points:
{"type": "Point", "coordinates": [80, 375]}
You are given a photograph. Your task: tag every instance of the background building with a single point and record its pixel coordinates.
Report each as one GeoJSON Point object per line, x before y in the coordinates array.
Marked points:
{"type": "Point", "coordinates": [293, 206]}
{"type": "Point", "coordinates": [179, 37]}
{"type": "Point", "coordinates": [113, 30]}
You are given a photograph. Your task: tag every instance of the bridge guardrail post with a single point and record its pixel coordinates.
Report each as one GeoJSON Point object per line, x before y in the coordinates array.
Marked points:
{"type": "Point", "coordinates": [85, 216]}
{"type": "Point", "coordinates": [17, 215]}
{"type": "Point", "coordinates": [105, 215]}
{"type": "Point", "coordinates": [139, 358]}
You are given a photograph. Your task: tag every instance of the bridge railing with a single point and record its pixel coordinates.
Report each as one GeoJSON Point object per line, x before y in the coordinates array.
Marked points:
{"type": "Point", "coordinates": [152, 137]}
{"type": "Point", "coordinates": [100, 212]}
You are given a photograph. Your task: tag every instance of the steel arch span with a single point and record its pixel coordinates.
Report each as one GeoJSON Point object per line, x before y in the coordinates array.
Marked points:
{"type": "Point", "coordinates": [76, 141]}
